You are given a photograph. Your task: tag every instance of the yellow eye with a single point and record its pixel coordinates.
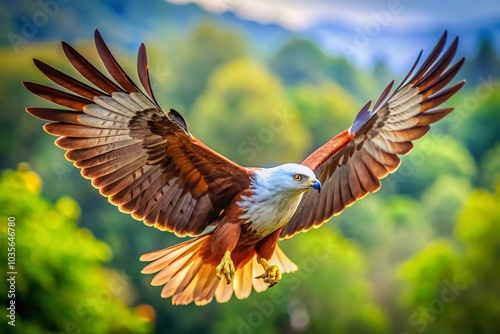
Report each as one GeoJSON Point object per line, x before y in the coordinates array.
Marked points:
{"type": "Point", "coordinates": [297, 177]}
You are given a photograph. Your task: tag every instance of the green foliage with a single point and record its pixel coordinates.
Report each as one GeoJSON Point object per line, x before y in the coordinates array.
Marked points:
{"type": "Point", "coordinates": [216, 78]}
{"type": "Point", "coordinates": [207, 48]}
{"type": "Point", "coordinates": [395, 226]}
{"type": "Point", "coordinates": [302, 62]}
{"type": "Point", "coordinates": [490, 168]}
{"type": "Point", "coordinates": [247, 104]}
{"type": "Point", "coordinates": [325, 109]}
{"type": "Point", "coordinates": [443, 201]}
{"type": "Point", "coordinates": [477, 120]}
{"type": "Point", "coordinates": [61, 286]}
{"type": "Point", "coordinates": [433, 156]}
{"type": "Point", "coordinates": [453, 286]}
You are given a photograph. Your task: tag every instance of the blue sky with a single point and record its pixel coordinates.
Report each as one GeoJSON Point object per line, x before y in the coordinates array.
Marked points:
{"type": "Point", "coordinates": [299, 14]}
{"type": "Point", "coordinates": [363, 30]}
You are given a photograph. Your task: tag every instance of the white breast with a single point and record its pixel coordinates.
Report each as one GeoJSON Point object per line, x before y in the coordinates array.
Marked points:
{"type": "Point", "coordinates": [268, 209]}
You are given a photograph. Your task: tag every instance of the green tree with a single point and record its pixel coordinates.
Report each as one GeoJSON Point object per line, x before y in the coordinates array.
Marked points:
{"type": "Point", "coordinates": [244, 115]}
{"type": "Point", "coordinates": [443, 200]}
{"type": "Point", "coordinates": [452, 285]}
{"type": "Point", "coordinates": [302, 61]}
{"type": "Point", "coordinates": [325, 109]}
{"type": "Point", "coordinates": [490, 168]}
{"type": "Point", "coordinates": [61, 285]}
{"type": "Point", "coordinates": [207, 47]}
{"type": "Point", "coordinates": [476, 122]}
{"type": "Point", "coordinates": [434, 155]}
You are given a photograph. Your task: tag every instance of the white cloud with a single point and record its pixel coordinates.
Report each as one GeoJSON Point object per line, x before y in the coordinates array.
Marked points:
{"type": "Point", "coordinates": [300, 15]}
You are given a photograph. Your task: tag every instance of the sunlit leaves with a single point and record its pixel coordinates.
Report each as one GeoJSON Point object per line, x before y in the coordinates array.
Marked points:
{"type": "Point", "coordinates": [59, 266]}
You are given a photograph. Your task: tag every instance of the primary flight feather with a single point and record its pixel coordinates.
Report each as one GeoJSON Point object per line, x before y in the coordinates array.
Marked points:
{"type": "Point", "coordinates": [146, 162]}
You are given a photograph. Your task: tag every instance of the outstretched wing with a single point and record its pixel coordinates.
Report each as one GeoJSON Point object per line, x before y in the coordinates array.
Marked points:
{"type": "Point", "coordinates": [145, 161]}
{"type": "Point", "coordinates": [351, 164]}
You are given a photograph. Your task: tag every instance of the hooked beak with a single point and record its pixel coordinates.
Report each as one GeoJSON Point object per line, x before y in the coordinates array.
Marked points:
{"type": "Point", "coordinates": [316, 185]}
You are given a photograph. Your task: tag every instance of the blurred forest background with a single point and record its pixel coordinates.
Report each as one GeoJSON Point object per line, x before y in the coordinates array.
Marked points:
{"type": "Point", "coordinates": [419, 256]}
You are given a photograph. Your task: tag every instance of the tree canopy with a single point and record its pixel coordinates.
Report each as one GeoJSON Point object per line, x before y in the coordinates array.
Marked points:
{"type": "Point", "coordinates": [61, 284]}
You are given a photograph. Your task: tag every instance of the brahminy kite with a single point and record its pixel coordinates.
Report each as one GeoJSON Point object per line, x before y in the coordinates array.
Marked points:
{"type": "Point", "coordinates": [146, 162]}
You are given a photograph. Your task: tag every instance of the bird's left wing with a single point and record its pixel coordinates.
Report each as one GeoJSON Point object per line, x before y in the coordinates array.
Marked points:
{"type": "Point", "coordinates": [145, 161]}
{"type": "Point", "coordinates": [351, 164]}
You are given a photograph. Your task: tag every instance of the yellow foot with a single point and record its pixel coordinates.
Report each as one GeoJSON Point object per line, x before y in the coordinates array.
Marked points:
{"type": "Point", "coordinates": [272, 274]}
{"type": "Point", "coordinates": [226, 267]}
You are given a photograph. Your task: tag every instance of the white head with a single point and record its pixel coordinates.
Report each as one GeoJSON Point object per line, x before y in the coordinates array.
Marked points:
{"type": "Point", "coordinates": [277, 194]}
{"type": "Point", "coordinates": [290, 179]}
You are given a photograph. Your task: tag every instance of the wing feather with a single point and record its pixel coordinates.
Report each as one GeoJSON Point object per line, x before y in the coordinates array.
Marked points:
{"type": "Point", "coordinates": [143, 159]}
{"type": "Point", "coordinates": [351, 165]}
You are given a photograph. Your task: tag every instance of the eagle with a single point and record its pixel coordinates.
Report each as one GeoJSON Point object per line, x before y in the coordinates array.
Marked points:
{"type": "Point", "coordinates": [147, 162]}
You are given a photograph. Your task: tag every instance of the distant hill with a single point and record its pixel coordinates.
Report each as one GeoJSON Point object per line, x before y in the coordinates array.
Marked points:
{"type": "Point", "coordinates": [126, 23]}
{"type": "Point", "coordinates": [26, 21]}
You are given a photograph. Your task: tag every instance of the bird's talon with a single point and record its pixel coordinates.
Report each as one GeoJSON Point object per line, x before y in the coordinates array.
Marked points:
{"type": "Point", "coordinates": [226, 268]}
{"type": "Point", "coordinates": [272, 274]}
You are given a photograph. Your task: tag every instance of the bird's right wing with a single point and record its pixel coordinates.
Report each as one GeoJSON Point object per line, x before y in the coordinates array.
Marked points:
{"type": "Point", "coordinates": [145, 161]}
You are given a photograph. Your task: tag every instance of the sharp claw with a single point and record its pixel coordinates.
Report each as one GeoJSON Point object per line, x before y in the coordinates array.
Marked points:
{"type": "Point", "coordinates": [226, 267]}
{"type": "Point", "coordinates": [264, 275]}
{"type": "Point", "coordinates": [272, 275]}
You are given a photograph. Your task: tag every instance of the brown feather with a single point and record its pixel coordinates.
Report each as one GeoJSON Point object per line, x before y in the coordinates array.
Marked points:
{"type": "Point", "coordinates": [49, 114]}
{"type": "Point", "coordinates": [438, 98]}
{"type": "Point", "coordinates": [112, 66]}
{"type": "Point", "coordinates": [66, 81]}
{"type": "Point", "coordinates": [56, 96]}
{"type": "Point", "coordinates": [119, 134]}
{"type": "Point", "coordinates": [117, 184]}
{"type": "Point", "coordinates": [430, 59]}
{"type": "Point", "coordinates": [439, 67]}
{"type": "Point", "coordinates": [85, 142]}
{"type": "Point", "coordinates": [143, 70]}
{"type": "Point", "coordinates": [88, 70]}
{"type": "Point", "coordinates": [71, 130]}
{"type": "Point", "coordinates": [443, 80]}
{"type": "Point", "coordinates": [433, 115]}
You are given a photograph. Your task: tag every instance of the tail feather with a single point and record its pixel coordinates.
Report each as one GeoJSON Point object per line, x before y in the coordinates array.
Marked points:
{"type": "Point", "coordinates": [167, 255]}
{"type": "Point", "coordinates": [172, 285]}
{"type": "Point", "coordinates": [258, 284]}
{"type": "Point", "coordinates": [205, 292]}
{"type": "Point", "coordinates": [224, 292]}
{"type": "Point", "coordinates": [243, 281]}
{"type": "Point", "coordinates": [185, 296]}
{"type": "Point", "coordinates": [184, 278]}
{"type": "Point", "coordinates": [282, 261]}
{"type": "Point", "coordinates": [188, 277]}
{"type": "Point", "coordinates": [166, 274]}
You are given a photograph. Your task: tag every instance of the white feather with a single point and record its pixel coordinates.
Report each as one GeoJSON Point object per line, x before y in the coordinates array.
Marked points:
{"type": "Point", "coordinates": [276, 196]}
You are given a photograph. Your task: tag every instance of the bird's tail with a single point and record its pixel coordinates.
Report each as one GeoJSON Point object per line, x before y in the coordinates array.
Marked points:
{"type": "Point", "coordinates": [187, 276]}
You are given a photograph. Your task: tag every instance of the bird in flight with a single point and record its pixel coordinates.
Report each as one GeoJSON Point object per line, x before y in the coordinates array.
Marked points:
{"type": "Point", "coordinates": [146, 162]}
